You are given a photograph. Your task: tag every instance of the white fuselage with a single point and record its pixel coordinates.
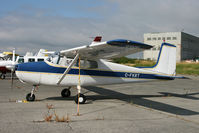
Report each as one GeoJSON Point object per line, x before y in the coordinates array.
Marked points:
{"type": "Point", "coordinates": [46, 73]}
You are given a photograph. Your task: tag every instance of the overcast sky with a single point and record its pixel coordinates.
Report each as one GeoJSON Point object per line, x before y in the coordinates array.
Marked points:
{"type": "Point", "coordinates": [29, 25]}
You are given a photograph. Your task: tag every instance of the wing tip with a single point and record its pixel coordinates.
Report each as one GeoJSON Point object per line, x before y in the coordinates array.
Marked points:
{"type": "Point", "coordinates": [123, 42]}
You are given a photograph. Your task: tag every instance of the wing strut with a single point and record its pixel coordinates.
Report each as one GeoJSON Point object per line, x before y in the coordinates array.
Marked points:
{"type": "Point", "coordinates": [68, 69]}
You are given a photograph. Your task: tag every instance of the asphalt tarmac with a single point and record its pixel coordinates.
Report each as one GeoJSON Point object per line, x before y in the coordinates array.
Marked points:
{"type": "Point", "coordinates": [150, 107]}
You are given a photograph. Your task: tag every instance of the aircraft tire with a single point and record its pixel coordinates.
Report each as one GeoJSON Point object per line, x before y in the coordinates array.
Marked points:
{"type": "Point", "coordinates": [65, 93]}
{"type": "Point", "coordinates": [82, 99]}
{"type": "Point", "coordinates": [29, 98]}
{"type": "Point", "coordinates": [3, 76]}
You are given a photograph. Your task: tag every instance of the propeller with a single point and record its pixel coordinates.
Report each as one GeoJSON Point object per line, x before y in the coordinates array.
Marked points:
{"type": "Point", "coordinates": [12, 67]}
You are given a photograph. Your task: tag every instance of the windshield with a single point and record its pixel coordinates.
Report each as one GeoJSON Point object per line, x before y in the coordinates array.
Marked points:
{"type": "Point", "coordinates": [20, 60]}
{"type": "Point", "coordinates": [63, 61]}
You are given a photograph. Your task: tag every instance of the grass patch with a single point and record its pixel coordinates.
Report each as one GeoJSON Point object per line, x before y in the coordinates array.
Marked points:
{"type": "Point", "coordinates": [134, 62]}
{"type": "Point", "coordinates": [181, 68]}
{"type": "Point", "coordinates": [187, 68]}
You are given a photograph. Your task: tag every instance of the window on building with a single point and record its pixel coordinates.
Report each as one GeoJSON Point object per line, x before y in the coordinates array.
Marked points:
{"type": "Point", "coordinates": [154, 38]}
{"type": "Point", "coordinates": [168, 38]}
{"type": "Point", "coordinates": [149, 39]}
{"type": "Point", "coordinates": [174, 38]}
{"type": "Point", "coordinates": [159, 38]}
{"type": "Point", "coordinates": [163, 38]}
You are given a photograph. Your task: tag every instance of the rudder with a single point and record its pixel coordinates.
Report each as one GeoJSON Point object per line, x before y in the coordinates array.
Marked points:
{"type": "Point", "coordinates": [166, 62]}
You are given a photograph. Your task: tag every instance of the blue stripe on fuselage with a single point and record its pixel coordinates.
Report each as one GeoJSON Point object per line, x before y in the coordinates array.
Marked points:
{"type": "Point", "coordinates": [43, 67]}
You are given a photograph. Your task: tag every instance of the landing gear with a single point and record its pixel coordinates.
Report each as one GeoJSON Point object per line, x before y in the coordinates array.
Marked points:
{"type": "Point", "coordinates": [82, 98]}
{"type": "Point", "coordinates": [66, 92]}
{"type": "Point", "coordinates": [30, 96]}
{"type": "Point", "coordinates": [2, 76]}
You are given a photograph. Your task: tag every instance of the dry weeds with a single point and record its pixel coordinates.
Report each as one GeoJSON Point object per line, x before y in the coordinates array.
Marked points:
{"type": "Point", "coordinates": [52, 116]}
{"type": "Point", "coordinates": [62, 119]}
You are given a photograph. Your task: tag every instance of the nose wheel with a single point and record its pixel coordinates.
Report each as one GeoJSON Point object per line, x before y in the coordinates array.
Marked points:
{"type": "Point", "coordinates": [30, 96]}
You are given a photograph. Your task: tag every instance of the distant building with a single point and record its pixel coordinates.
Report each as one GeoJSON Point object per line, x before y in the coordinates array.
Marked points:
{"type": "Point", "coordinates": [187, 45]}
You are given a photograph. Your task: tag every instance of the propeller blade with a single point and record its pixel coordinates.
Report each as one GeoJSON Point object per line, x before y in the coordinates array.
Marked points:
{"type": "Point", "coordinates": [13, 55]}
{"type": "Point", "coordinates": [12, 81]}
{"type": "Point", "coordinates": [12, 68]}
{"type": "Point", "coordinates": [12, 76]}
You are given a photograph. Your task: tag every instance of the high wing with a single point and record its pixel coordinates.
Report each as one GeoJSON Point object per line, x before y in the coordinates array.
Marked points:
{"type": "Point", "coordinates": [107, 49]}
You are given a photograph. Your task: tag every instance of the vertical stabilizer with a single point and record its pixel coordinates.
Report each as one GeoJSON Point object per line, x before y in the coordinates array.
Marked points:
{"type": "Point", "coordinates": [166, 62]}
{"type": "Point", "coordinates": [97, 39]}
{"type": "Point", "coordinates": [41, 53]}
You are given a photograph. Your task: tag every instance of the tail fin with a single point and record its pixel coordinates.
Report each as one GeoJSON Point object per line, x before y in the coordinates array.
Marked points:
{"type": "Point", "coordinates": [42, 53]}
{"type": "Point", "coordinates": [97, 39]}
{"type": "Point", "coordinates": [166, 62]}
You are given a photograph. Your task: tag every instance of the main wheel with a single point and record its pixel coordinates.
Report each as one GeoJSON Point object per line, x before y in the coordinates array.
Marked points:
{"type": "Point", "coordinates": [29, 98]}
{"type": "Point", "coordinates": [65, 93]}
{"type": "Point", "coordinates": [82, 99]}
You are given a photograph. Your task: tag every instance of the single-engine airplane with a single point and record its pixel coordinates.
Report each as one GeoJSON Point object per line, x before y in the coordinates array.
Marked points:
{"type": "Point", "coordinates": [7, 63]}
{"type": "Point", "coordinates": [88, 65]}
{"type": "Point", "coordinates": [7, 60]}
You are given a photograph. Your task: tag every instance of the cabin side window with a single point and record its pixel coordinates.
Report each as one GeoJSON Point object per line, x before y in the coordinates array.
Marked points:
{"type": "Point", "coordinates": [93, 64]}
{"type": "Point", "coordinates": [87, 64]}
{"type": "Point", "coordinates": [40, 59]}
{"type": "Point", "coordinates": [31, 60]}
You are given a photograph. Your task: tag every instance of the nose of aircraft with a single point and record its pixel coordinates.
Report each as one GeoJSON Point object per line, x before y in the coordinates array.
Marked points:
{"type": "Point", "coordinates": [25, 66]}
{"type": "Point", "coordinates": [22, 69]}
{"type": "Point", "coordinates": [32, 66]}
{"type": "Point", "coordinates": [29, 72]}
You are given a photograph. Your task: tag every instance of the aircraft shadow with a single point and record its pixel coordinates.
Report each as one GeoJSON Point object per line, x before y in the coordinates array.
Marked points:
{"type": "Point", "coordinates": [135, 99]}
{"type": "Point", "coordinates": [186, 96]}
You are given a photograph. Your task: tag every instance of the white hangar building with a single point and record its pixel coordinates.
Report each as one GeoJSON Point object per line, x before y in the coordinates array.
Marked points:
{"type": "Point", "coordinates": [187, 45]}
